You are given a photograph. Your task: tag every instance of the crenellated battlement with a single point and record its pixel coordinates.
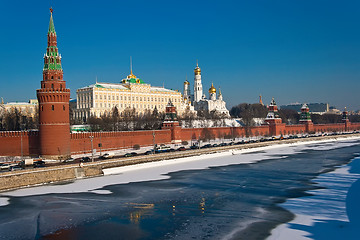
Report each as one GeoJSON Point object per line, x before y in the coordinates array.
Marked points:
{"type": "Point", "coordinates": [18, 133]}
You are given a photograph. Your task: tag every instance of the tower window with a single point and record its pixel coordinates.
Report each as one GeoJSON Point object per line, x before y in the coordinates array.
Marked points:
{"type": "Point", "coordinates": [64, 107]}
{"type": "Point", "coordinates": [42, 108]}
{"type": "Point", "coordinates": [52, 77]}
{"type": "Point", "coordinates": [52, 107]}
{"type": "Point", "coordinates": [52, 86]}
{"type": "Point", "coordinates": [60, 85]}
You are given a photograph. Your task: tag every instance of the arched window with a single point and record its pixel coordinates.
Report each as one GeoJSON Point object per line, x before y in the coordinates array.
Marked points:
{"type": "Point", "coordinates": [42, 108]}
{"type": "Point", "coordinates": [60, 85]}
{"type": "Point", "coordinates": [64, 107]}
{"type": "Point", "coordinates": [52, 107]}
{"type": "Point", "coordinates": [52, 77]}
{"type": "Point", "coordinates": [52, 86]}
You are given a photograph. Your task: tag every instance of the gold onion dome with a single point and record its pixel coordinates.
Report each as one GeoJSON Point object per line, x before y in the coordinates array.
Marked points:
{"type": "Point", "coordinates": [186, 82]}
{"type": "Point", "coordinates": [212, 89]}
{"type": "Point", "coordinates": [197, 70]}
{"type": "Point", "coordinates": [131, 75]}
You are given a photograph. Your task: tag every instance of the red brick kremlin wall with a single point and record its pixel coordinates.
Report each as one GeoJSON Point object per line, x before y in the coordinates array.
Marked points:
{"type": "Point", "coordinates": [10, 142]}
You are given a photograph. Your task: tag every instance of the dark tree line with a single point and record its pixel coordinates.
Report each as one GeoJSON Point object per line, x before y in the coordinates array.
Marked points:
{"type": "Point", "coordinates": [15, 120]}
{"type": "Point", "coordinates": [187, 118]}
{"type": "Point", "coordinates": [248, 112]}
{"type": "Point", "coordinates": [128, 120]}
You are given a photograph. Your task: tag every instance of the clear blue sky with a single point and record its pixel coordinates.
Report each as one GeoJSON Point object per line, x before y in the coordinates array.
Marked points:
{"type": "Point", "coordinates": [293, 50]}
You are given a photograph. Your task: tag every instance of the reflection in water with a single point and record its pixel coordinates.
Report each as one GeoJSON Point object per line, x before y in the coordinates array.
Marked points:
{"type": "Point", "coordinates": [202, 205]}
{"type": "Point", "coordinates": [141, 210]}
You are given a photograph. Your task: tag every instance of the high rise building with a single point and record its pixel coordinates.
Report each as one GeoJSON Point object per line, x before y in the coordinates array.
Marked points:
{"type": "Point", "coordinates": [53, 97]}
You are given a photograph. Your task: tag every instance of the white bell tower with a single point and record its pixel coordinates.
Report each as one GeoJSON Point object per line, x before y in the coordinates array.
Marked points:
{"type": "Point", "coordinates": [198, 92]}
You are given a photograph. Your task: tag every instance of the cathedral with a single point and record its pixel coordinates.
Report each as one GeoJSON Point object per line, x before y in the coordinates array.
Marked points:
{"type": "Point", "coordinates": [215, 101]}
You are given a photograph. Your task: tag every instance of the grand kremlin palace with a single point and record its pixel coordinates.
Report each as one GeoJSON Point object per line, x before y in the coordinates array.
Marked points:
{"type": "Point", "coordinates": [100, 98]}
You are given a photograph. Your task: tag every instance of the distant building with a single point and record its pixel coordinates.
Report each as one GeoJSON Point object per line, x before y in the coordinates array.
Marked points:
{"type": "Point", "coordinates": [316, 108]}
{"type": "Point", "coordinates": [27, 108]}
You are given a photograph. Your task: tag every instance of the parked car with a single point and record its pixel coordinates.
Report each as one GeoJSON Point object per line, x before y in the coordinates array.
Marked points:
{"type": "Point", "coordinates": [107, 155]}
{"type": "Point", "coordinates": [128, 155]}
{"type": "Point", "coordinates": [68, 160]}
{"type": "Point", "coordinates": [15, 168]}
{"type": "Point", "coordinates": [206, 146]}
{"type": "Point", "coordinates": [181, 148]}
{"type": "Point", "coordinates": [149, 152]}
{"type": "Point", "coordinates": [85, 159]}
{"type": "Point", "coordinates": [40, 163]}
{"type": "Point", "coordinates": [194, 147]}
{"type": "Point", "coordinates": [133, 153]}
{"type": "Point", "coordinates": [4, 166]}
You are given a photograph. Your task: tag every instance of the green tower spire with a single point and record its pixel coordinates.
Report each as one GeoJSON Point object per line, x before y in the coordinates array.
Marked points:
{"type": "Point", "coordinates": [52, 58]}
{"type": "Point", "coordinates": [51, 24]}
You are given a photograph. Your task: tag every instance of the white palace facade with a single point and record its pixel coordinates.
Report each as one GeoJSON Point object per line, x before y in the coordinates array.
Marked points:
{"type": "Point", "coordinates": [101, 98]}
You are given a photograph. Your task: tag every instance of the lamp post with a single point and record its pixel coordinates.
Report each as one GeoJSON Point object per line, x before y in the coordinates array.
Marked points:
{"type": "Point", "coordinates": [22, 153]}
{"type": "Point", "coordinates": [154, 140]}
{"type": "Point", "coordinates": [100, 144]}
{"type": "Point", "coordinates": [92, 148]}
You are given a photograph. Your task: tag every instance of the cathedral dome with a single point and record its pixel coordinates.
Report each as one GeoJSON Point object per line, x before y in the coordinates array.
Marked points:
{"type": "Point", "coordinates": [186, 82]}
{"type": "Point", "coordinates": [197, 70]}
{"type": "Point", "coordinates": [212, 89]}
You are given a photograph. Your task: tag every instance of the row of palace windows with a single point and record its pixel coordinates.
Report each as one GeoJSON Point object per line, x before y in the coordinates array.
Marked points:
{"type": "Point", "coordinates": [133, 98]}
{"type": "Point", "coordinates": [52, 108]}
{"type": "Point", "coordinates": [149, 106]}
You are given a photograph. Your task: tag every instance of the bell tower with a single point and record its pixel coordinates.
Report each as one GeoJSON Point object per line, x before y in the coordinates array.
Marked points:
{"type": "Point", "coordinates": [53, 97]}
{"type": "Point", "coordinates": [198, 92]}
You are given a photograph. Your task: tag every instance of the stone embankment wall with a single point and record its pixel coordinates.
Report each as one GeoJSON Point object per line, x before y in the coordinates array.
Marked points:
{"type": "Point", "coordinates": [32, 177]}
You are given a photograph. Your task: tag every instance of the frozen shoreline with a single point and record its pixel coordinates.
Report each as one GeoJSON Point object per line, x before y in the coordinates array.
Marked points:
{"type": "Point", "coordinates": [158, 170]}
{"type": "Point", "coordinates": [310, 212]}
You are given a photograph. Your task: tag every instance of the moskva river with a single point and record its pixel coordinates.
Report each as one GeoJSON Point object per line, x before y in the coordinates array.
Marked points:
{"type": "Point", "coordinates": [232, 199]}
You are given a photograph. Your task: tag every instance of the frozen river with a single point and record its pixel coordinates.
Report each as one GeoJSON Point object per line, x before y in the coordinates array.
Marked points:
{"type": "Point", "coordinates": [234, 195]}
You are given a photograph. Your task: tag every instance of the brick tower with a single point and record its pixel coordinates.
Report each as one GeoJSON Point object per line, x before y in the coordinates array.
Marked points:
{"type": "Point", "coordinates": [171, 122]}
{"type": "Point", "coordinates": [345, 120]}
{"type": "Point", "coordinates": [305, 118]}
{"type": "Point", "coordinates": [276, 127]}
{"type": "Point", "coordinates": [53, 96]}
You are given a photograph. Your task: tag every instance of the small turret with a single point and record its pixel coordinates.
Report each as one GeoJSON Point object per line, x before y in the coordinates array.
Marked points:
{"type": "Point", "coordinates": [305, 114]}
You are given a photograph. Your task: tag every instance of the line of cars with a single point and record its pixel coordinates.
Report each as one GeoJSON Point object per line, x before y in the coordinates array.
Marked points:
{"type": "Point", "coordinates": [27, 163]}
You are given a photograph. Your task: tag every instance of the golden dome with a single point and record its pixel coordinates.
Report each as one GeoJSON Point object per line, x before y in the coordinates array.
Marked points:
{"type": "Point", "coordinates": [212, 89]}
{"type": "Point", "coordinates": [187, 82]}
{"type": "Point", "coordinates": [197, 70]}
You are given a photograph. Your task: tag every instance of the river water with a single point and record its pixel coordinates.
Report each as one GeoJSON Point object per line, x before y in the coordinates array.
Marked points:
{"type": "Point", "coordinates": [226, 200]}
